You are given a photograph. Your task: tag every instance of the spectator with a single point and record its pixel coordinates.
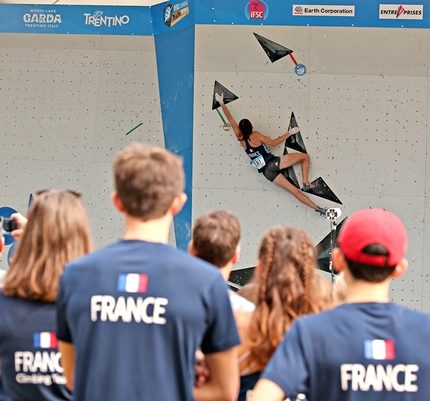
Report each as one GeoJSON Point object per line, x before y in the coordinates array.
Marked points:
{"type": "Point", "coordinates": [367, 348]}
{"type": "Point", "coordinates": [215, 239]}
{"type": "Point", "coordinates": [57, 232]}
{"type": "Point", "coordinates": [3, 396]}
{"type": "Point", "coordinates": [134, 313]}
{"type": "Point", "coordinates": [288, 287]}
{"type": "Point", "coordinates": [2, 272]}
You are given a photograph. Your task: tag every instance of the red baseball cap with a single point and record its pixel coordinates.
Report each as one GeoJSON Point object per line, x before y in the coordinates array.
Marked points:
{"type": "Point", "coordinates": [373, 226]}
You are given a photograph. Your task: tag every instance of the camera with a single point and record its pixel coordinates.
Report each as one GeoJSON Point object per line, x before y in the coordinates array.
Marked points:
{"type": "Point", "coordinates": [7, 225]}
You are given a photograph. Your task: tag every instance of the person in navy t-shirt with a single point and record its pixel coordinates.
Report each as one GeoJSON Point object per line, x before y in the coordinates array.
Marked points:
{"type": "Point", "coordinates": [368, 349]}
{"type": "Point", "coordinates": [215, 239]}
{"type": "Point", "coordinates": [3, 396]}
{"type": "Point", "coordinates": [254, 143]}
{"type": "Point", "coordinates": [57, 231]}
{"type": "Point", "coordinates": [134, 313]}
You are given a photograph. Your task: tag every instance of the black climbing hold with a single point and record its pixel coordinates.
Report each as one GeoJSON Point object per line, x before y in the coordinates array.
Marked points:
{"type": "Point", "coordinates": [295, 141]}
{"type": "Point", "coordinates": [321, 189]}
{"type": "Point", "coordinates": [228, 95]}
{"type": "Point", "coordinates": [274, 50]}
{"type": "Point", "coordinates": [324, 248]}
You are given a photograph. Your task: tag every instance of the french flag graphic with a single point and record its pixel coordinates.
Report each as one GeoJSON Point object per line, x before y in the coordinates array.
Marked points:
{"type": "Point", "coordinates": [379, 349]}
{"type": "Point", "coordinates": [132, 282]}
{"type": "Point", "coordinates": [45, 340]}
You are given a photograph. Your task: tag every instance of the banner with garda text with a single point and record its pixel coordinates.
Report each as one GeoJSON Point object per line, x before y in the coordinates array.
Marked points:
{"type": "Point", "coordinates": [63, 19]}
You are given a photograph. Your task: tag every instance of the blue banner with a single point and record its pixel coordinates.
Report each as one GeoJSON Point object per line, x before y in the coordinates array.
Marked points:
{"type": "Point", "coordinates": [64, 19]}
{"type": "Point", "coordinates": [175, 64]}
{"type": "Point", "coordinates": [179, 14]}
{"type": "Point", "coordinates": [348, 13]}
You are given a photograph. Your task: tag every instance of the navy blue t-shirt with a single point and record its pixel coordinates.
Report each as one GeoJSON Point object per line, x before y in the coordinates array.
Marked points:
{"type": "Point", "coordinates": [3, 395]}
{"type": "Point", "coordinates": [30, 362]}
{"type": "Point", "coordinates": [136, 313]}
{"type": "Point", "coordinates": [356, 352]}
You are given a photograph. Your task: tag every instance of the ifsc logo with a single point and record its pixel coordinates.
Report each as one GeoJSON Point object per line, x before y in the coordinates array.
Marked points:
{"type": "Point", "coordinates": [97, 19]}
{"type": "Point", "coordinates": [256, 9]}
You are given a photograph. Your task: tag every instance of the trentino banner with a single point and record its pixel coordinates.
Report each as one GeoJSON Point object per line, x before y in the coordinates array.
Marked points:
{"type": "Point", "coordinates": [75, 19]}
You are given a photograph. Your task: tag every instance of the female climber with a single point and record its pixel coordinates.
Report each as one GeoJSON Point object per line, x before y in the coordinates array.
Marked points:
{"type": "Point", "coordinates": [254, 143]}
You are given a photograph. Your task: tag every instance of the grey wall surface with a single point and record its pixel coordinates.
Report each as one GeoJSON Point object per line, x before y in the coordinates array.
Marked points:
{"type": "Point", "coordinates": [67, 102]}
{"type": "Point", "coordinates": [362, 109]}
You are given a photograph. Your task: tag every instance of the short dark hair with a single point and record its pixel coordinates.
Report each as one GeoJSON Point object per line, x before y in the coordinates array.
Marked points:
{"type": "Point", "coordinates": [216, 235]}
{"type": "Point", "coordinates": [370, 273]}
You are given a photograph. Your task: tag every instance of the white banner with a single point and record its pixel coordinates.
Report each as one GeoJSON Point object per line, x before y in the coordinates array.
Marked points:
{"type": "Point", "coordinates": [323, 11]}
{"type": "Point", "coordinates": [401, 11]}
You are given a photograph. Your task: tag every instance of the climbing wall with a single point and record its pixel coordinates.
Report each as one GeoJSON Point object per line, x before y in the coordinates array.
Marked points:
{"type": "Point", "coordinates": [68, 102]}
{"type": "Point", "coordinates": [362, 110]}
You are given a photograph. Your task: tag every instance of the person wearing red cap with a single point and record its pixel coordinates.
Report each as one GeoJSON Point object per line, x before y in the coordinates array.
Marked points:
{"type": "Point", "coordinates": [368, 348]}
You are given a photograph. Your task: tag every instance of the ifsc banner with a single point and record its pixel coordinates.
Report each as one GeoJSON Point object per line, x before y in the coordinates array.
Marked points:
{"type": "Point", "coordinates": [64, 19]}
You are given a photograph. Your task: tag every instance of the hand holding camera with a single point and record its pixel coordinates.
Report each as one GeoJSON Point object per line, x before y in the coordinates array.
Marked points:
{"type": "Point", "coordinates": [14, 225]}
{"type": "Point", "coordinates": [7, 225]}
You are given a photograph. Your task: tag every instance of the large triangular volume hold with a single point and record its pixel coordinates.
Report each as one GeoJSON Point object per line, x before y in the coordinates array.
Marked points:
{"type": "Point", "coordinates": [228, 95]}
{"type": "Point", "coordinates": [295, 141]}
{"type": "Point", "coordinates": [321, 189]}
{"type": "Point", "coordinates": [274, 51]}
{"type": "Point", "coordinates": [241, 276]}
{"type": "Point", "coordinates": [290, 174]}
{"type": "Point", "coordinates": [325, 246]}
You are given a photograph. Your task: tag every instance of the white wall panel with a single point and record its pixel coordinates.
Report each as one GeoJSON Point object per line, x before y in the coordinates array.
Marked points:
{"type": "Point", "coordinates": [370, 126]}
{"type": "Point", "coordinates": [235, 48]}
{"type": "Point", "coordinates": [266, 99]}
{"type": "Point", "coordinates": [363, 111]}
{"type": "Point", "coordinates": [127, 95]}
{"type": "Point", "coordinates": [363, 106]}
{"type": "Point", "coordinates": [67, 103]}
{"type": "Point", "coordinates": [48, 103]}
{"type": "Point", "coordinates": [369, 51]}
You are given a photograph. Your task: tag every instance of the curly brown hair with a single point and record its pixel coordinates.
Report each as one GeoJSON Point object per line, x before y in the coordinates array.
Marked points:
{"type": "Point", "coordinates": [288, 288]}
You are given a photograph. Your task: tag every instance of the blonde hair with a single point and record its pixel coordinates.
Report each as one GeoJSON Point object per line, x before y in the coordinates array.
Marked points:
{"type": "Point", "coordinates": [57, 232]}
{"type": "Point", "coordinates": [147, 180]}
{"type": "Point", "coordinates": [288, 288]}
